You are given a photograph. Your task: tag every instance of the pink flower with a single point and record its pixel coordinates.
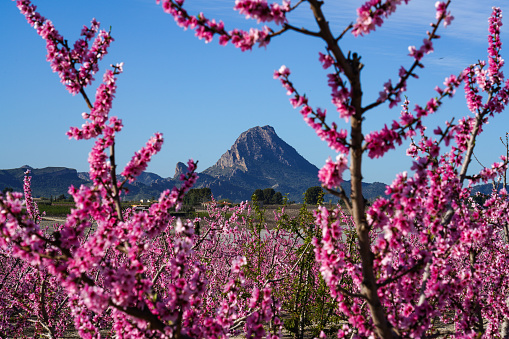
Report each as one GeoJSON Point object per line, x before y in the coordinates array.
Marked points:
{"type": "Point", "coordinates": [331, 175]}
{"type": "Point", "coordinates": [371, 14]}
{"type": "Point", "coordinates": [261, 11]}
{"type": "Point", "coordinates": [141, 158]}
{"type": "Point", "coordinates": [326, 60]}
{"type": "Point", "coordinates": [441, 8]}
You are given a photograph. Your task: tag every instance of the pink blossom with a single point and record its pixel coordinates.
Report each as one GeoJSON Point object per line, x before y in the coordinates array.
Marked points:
{"type": "Point", "coordinates": [141, 158]}
{"type": "Point", "coordinates": [261, 11]}
{"type": "Point", "coordinates": [331, 175]}
{"type": "Point", "coordinates": [371, 14]}
{"type": "Point", "coordinates": [442, 14]}
{"type": "Point", "coordinates": [326, 60]}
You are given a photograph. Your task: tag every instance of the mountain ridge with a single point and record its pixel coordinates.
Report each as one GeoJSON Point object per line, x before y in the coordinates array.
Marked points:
{"type": "Point", "coordinates": [258, 159]}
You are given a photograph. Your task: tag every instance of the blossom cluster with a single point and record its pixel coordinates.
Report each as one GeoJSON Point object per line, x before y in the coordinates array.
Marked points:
{"type": "Point", "coordinates": [331, 175]}
{"type": "Point", "coordinates": [341, 96]}
{"type": "Point", "coordinates": [245, 40]}
{"type": "Point", "coordinates": [63, 59]}
{"type": "Point", "coordinates": [140, 160]}
{"type": "Point", "coordinates": [380, 142]}
{"type": "Point", "coordinates": [335, 139]}
{"type": "Point", "coordinates": [392, 93]}
{"type": "Point", "coordinates": [371, 14]}
{"type": "Point", "coordinates": [442, 13]}
{"type": "Point", "coordinates": [98, 116]}
{"type": "Point", "coordinates": [262, 12]}
{"type": "Point", "coordinates": [31, 205]}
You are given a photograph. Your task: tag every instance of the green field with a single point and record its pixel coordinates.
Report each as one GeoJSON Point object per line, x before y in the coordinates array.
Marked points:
{"type": "Point", "coordinates": [60, 209]}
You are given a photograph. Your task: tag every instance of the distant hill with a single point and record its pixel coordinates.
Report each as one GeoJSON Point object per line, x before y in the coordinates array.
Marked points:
{"type": "Point", "coordinates": [259, 158]}
{"type": "Point", "coordinates": [49, 181]}
{"type": "Point", "coordinates": [486, 189]}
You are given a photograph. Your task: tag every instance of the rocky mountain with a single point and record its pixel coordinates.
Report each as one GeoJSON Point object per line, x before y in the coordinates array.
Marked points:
{"type": "Point", "coordinates": [181, 168]}
{"type": "Point", "coordinates": [259, 158]}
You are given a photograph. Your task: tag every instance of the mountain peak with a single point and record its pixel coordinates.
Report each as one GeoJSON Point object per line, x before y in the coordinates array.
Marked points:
{"type": "Point", "coordinates": [259, 158]}
{"type": "Point", "coordinates": [266, 128]}
{"type": "Point", "coordinates": [256, 145]}
{"type": "Point", "coordinates": [181, 168]}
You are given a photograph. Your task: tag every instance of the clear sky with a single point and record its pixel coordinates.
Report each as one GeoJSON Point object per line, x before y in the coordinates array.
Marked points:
{"type": "Point", "coordinates": [202, 96]}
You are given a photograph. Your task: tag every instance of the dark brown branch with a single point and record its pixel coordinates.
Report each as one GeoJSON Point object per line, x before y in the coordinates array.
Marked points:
{"type": "Point", "coordinates": [116, 195]}
{"type": "Point", "coordinates": [154, 322]}
{"type": "Point", "coordinates": [301, 30]}
{"type": "Point", "coordinates": [87, 100]}
{"type": "Point", "coordinates": [327, 36]}
{"type": "Point", "coordinates": [341, 194]}
{"type": "Point", "coordinates": [413, 268]}
{"type": "Point", "coordinates": [297, 4]}
{"type": "Point", "coordinates": [202, 239]}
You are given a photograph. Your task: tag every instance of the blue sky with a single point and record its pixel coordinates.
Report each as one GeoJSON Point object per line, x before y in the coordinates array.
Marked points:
{"type": "Point", "coordinates": [202, 96]}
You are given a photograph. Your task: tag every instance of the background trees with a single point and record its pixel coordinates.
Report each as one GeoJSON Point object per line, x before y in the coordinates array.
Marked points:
{"type": "Point", "coordinates": [268, 196]}
{"type": "Point", "coordinates": [196, 196]}
{"type": "Point", "coordinates": [313, 195]}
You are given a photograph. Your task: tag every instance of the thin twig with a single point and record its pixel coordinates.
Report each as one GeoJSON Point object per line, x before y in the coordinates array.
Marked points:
{"type": "Point", "coordinates": [301, 30]}
{"type": "Point", "coordinates": [349, 27]}
{"type": "Point", "coordinates": [341, 194]}
{"type": "Point", "coordinates": [291, 270]}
